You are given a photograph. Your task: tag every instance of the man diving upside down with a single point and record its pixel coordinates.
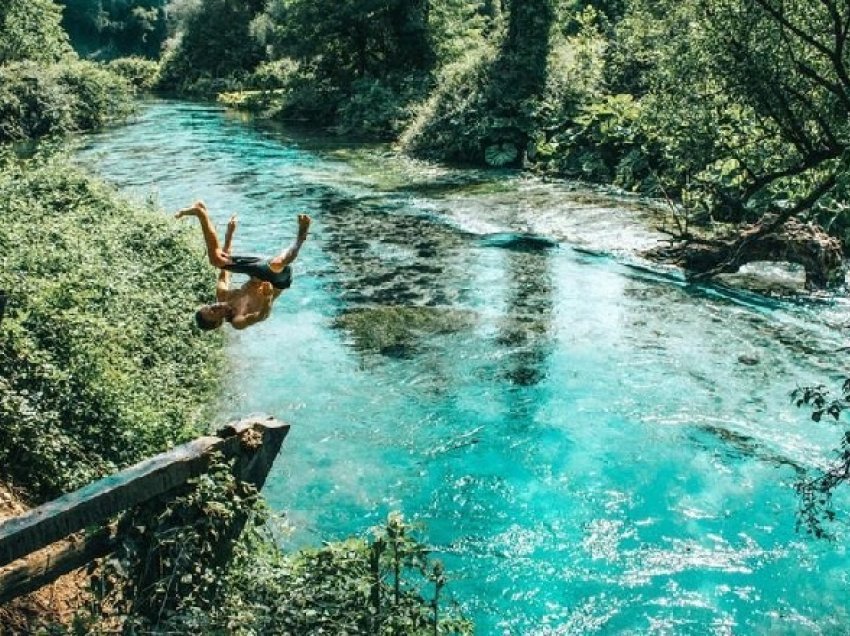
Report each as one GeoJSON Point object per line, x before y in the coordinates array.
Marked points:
{"type": "Point", "coordinates": [251, 303]}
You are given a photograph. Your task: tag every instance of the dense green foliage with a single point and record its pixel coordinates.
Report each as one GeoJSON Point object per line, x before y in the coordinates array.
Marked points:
{"type": "Point", "coordinates": [746, 102]}
{"type": "Point", "coordinates": [143, 74]}
{"type": "Point", "coordinates": [38, 100]}
{"type": "Point", "coordinates": [176, 571]}
{"type": "Point", "coordinates": [31, 30]}
{"type": "Point", "coordinates": [99, 364]}
{"type": "Point", "coordinates": [215, 46]}
{"type": "Point", "coordinates": [734, 108]}
{"type": "Point", "coordinates": [44, 89]}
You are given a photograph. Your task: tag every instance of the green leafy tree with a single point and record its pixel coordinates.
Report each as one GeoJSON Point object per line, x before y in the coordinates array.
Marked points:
{"type": "Point", "coordinates": [748, 101]}
{"type": "Point", "coordinates": [816, 510]}
{"type": "Point", "coordinates": [111, 28]}
{"type": "Point", "coordinates": [518, 79]}
{"type": "Point", "coordinates": [216, 42]}
{"type": "Point", "coordinates": [487, 106]}
{"type": "Point", "coordinates": [31, 30]}
{"type": "Point", "coordinates": [460, 26]}
{"type": "Point", "coordinates": [343, 41]}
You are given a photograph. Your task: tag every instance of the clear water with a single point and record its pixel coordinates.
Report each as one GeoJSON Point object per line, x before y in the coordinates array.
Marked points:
{"type": "Point", "coordinates": [576, 430]}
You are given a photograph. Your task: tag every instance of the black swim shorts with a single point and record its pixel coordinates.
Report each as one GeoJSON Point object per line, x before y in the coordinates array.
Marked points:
{"type": "Point", "coordinates": [258, 267]}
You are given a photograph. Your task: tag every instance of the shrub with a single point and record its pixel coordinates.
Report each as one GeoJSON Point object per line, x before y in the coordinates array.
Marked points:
{"type": "Point", "coordinates": [33, 103]}
{"type": "Point", "coordinates": [32, 30]}
{"type": "Point", "coordinates": [168, 575]}
{"type": "Point", "coordinates": [273, 75]}
{"type": "Point", "coordinates": [38, 100]}
{"type": "Point", "coordinates": [100, 96]}
{"type": "Point", "coordinates": [143, 74]}
{"type": "Point", "coordinates": [99, 363]}
{"type": "Point", "coordinates": [309, 99]}
{"type": "Point", "coordinates": [379, 108]}
{"type": "Point", "coordinates": [453, 124]}
{"type": "Point", "coordinates": [604, 144]}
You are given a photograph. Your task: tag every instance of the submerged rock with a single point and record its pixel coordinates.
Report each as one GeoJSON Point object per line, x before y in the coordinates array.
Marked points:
{"type": "Point", "coordinates": [519, 242]}
{"type": "Point", "coordinates": [396, 330]}
{"type": "Point", "coordinates": [748, 359]}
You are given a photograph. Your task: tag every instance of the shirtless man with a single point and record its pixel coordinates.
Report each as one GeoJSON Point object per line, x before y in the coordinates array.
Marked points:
{"type": "Point", "coordinates": [252, 302]}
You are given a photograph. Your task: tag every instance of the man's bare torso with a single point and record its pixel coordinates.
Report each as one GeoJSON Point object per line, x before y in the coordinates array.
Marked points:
{"type": "Point", "coordinates": [253, 300]}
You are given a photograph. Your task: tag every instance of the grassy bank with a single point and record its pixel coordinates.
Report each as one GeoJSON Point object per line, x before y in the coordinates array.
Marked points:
{"type": "Point", "coordinates": [99, 364]}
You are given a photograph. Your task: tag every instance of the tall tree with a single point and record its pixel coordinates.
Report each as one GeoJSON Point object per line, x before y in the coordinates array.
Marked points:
{"type": "Point", "coordinates": [751, 98]}
{"type": "Point", "coordinates": [216, 42]}
{"type": "Point", "coordinates": [110, 28]}
{"type": "Point", "coordinates": [31, 30]}
{"type": "Point", "coordinates": [788, 61]}
{"type": "Point", "coordinates": [521, 64]}
{"type": "Point", "coordinates": [345, 40]}
{"type": "Point", "coordinates": [518, 74]}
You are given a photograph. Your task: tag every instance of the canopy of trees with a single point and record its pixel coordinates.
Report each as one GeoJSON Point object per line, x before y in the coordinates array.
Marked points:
{"type": "Point", "coordinates": [113, 28]}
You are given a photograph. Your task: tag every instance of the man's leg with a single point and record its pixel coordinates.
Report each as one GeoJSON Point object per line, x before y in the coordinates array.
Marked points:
{"type": "Point", "coordinates": [222, 288]}
{"type": "Point", "coordinates": [217, 256]}
{"type": "Point", "coordinates": [291, 253]}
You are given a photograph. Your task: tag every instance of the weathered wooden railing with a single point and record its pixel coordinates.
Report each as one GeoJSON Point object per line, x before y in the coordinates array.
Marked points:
{"type": "Point", "coordinates": [253, 443]}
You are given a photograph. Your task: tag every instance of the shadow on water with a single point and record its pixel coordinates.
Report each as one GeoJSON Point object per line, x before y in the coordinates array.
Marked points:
{"type": "Point", "coordinates": [526, 328]}
{"type": "Point", "coordinates": [399, 279]}
{"type": "Point", "coordinates": [395, 274]}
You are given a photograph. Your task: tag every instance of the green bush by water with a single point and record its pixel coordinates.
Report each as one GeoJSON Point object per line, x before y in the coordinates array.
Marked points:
{"type": "Point", "coordinates": [168, 575]}
{"type": "Point", "coordinates": [38, 100]}
{"type": "Point", "coordinates": [142, 73]}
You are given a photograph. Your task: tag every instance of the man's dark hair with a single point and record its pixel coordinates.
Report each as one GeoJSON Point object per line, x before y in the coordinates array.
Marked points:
{"type": "Point", "coordinates": [205, 324]}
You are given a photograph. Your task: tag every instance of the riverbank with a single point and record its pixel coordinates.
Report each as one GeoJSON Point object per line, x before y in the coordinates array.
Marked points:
{"type": "Point", "coordinates": [99, 366]}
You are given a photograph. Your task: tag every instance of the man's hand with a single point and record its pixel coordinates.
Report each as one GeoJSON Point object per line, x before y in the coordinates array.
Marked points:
{"type": "Point", "coordinates": [231, 224]}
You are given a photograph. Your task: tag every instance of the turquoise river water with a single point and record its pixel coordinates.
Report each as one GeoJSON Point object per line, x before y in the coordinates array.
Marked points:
{"type": "Point", "coordinates": [592, 444]}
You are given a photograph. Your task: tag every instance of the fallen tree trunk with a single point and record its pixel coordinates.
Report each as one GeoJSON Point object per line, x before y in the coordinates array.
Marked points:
{"type": "Point", "coordinates": [806, 244]}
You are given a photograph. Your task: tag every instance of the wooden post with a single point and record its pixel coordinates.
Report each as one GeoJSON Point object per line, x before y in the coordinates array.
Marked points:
{"type": "Point", "coordinates": [254, 443]}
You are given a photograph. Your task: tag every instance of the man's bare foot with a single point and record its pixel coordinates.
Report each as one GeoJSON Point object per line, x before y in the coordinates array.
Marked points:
{"type": "Point", "coordinates": [303, 226]}
{"type": "Point", "coordinates": [196, 209]}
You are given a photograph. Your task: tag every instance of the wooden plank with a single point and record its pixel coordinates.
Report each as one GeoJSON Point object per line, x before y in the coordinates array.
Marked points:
{"type": "Point", "coordinates": [102, 499]}
{"type": "Point", "coordinates": [44, 567]}
{"type": "Point", "coordinates": [93, 504]}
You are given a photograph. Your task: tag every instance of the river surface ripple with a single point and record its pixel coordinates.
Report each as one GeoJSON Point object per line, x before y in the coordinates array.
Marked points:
{"type": "Point", "coordinates": [592, 445]}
